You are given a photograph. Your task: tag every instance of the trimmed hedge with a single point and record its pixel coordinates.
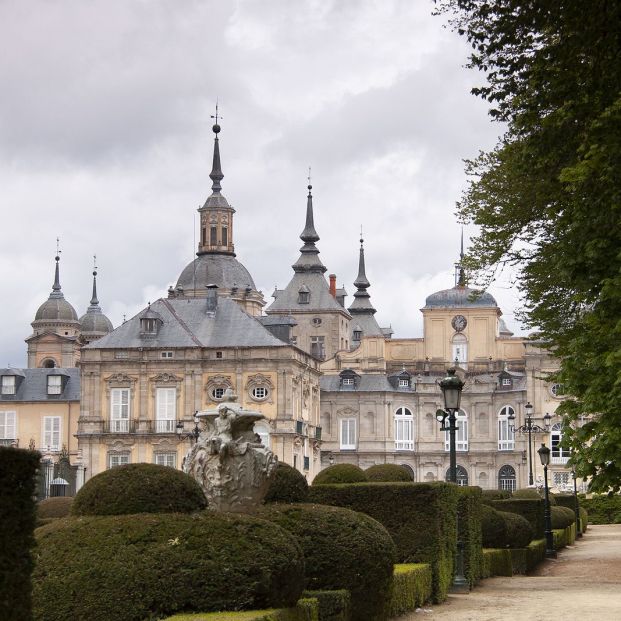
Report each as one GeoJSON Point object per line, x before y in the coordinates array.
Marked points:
{"type": "Point", "coordinates": [493, 528]}
{"type": "Point", "coordinates": [411, 588]}
{"type": "Point", "coordinates": [17, 516]}
{"type": "Point", "coordinates": [584, 519]}
{"type": "Point", "coordinates": [562, 517]}
{"type": "Point", "coordinates": [532, 493]}
{"type": "Point", "coordinates": [564, 536]}
{"type": "Point", "coordinates": [531, 509]}
{"type": "Point", "coordinates": [287, 485]}
{"type": "Point", "coordinates": [603, 509]}
{"type": "Point", "coordinates": [497, 562]}
{"type": "Point", "coordinates": [139, 488]}
{"type": "Point", "coordinates": [340, 473]}
{"type": "Point", "coordinates": [134, 567]}
{"type": "Point", "coordinates": [420, 518]}
{"type": "Point", "coordinates": [494, 494]}
{"type": "Point", "coordinates": [54, 507]}
{"type": "Point", "coordinates": [343, 550]}
{"type": "Point", "coordinates": [387, 473]}
{"type": "Point", "coordinates": [333, 605]}
{"type": "Point", "coordinates": [305, 610]}
{"type": "Point", "coordinates": [470, 510]}
{"type": "Point", "coordinates": [519, 531]}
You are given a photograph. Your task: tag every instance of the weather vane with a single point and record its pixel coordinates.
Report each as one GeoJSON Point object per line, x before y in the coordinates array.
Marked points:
{"type": "Point", "coordinates": [309, 175]}
{"type": "Point", "coordinates": [95, 262]}
{"type": "Point", "coordinates": [58, 250]}
{"type": "Point", "coordinates": [361, 239]}
{"type": "Point", "coordinates": [216, 115]}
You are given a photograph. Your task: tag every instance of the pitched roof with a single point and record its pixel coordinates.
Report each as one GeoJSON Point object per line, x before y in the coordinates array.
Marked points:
{"type": "Point", "coordinates": [33, 387]}
{"type": "Point", "coordinates": [320, 297]}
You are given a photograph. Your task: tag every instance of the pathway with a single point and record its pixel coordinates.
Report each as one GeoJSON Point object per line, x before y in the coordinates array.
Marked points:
{"type": "Point", "coordinates": [582, 584]}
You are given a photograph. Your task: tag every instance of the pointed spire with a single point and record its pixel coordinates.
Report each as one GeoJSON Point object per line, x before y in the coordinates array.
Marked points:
{"type": "Point", "coordinates": [216, 170]}
{"type": "Point", "coordinates": [94, 300]}
{"type": "Point", "coordinates": [309, 234]}
{"type": "Point", "coordinates": [56, 291]}
{"type": "Point", "coordinates": [309, 260]}
{"type": "Point", "coordinates": [361, 281]}
{"type": "Point", "coordinates": [461, 278]}
{"type": "Point", "coordinates": [362, 299]}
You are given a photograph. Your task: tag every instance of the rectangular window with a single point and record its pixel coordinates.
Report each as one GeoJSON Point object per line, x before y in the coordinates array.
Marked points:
{"type": "Point", "coordinates": [225, 236]}
{"type": "Point", "coordinates": [165, 410]}
{"type": "Point", "coordinates": [165, 459]}
{"type": "Point", "coordinates": [121, 355]}
{"type": "Point", "coordinates": [348, 381]}
{"type": "Point", "coordinates": [506, 438]}
{"type": "Point", "coordinates": [54, 384]}
{"type": "Point", "coordinates": [461, 436]}
{"type": "Point", "coordinates": [318, 347]}
{"type": "Point", "coordinates": [213, 240]}
{"type": "Point", "coordinates": [560, 479]}
{"type": "Point", "coordinates": [166, 354]}
{"type": "Point", "coordinates": [118, 459]}
{"type": "Point", "coordinates": [51, 433]}
{"type": "Point", "coordinates": [507, 485]}
{"type": "Point", "coordinates": [348, 433]}
{"type": "Point", "coordinates": [506, 381]}
{"type": "Point", "coordinates": [119, 410]}
{"type": "Point", "coordinates": [7, 425]}
{"type": "Point", "coordinates": [8, 384]}
{"type": "Point", "coordinates": [404, 440]}
{"type": "Point", "coordinates": [404, 383]}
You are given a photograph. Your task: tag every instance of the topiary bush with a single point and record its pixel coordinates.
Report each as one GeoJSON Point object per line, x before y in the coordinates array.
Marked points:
{"type": "Point", "coordinates": [340, 473]}
{"type": "Point", "coordinates": [136, 567]}
{"type": "Point", "coordinates": [469, 511]}
{"type": "Point", "coordinates": [287, 485]}
{"type": "Point", "coordinates": [603, 508]}
{"type": "Point", "coordinates": [343, 549]}
{"type": "Point", "coordinates": [493, 528]}
{"type": "Point", "coordinates": [530, 508]}
{"type": "Point", "coordinates": [139, 488]}
{"type": "Point", "coordinates": [54, 507]}
{"type": "Point", "coordinates": [562, 517]}
{"type": "Point", "coordinates": [519, 531]}
{"type": "Point", "coordinates": [494, 494]}
{"type": "Point", "coordinates": [385, 473]}
{"type": "Point", "coordinates": [533, 493]}
{"type": "Point", "coordinates": [584, 519]}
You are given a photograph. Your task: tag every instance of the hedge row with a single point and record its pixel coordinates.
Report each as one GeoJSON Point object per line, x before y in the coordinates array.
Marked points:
{"type": "Point", "coordinates": [411, 588]}
{"type": "Point", "coordinates": [603, 509]}
{"type": "Point", "coordinates": [332, 605]}
{"type": "Point", "coordinates": [287, 485]}
{"type": "Point", "coordinates": [18, 517]}
{"type": "Point", "coordinates": [511, 561]}
{"type": "Point", "coordinates": [340, 473]}
{"type": "Point", "coordinates": [54, 507]}
{"type": "Point", "coordinates": [564, 536]}
{"type": "Point", "coordinates": [470, 510]}
{"type": "Point", "coordinates": [420, 517]}
{"type": "Point", "coordinates": [497, 562]}
{"type": "Point", "coordinates": [531, 509]}
{"type": "Point", "coordinates": [307, 609]}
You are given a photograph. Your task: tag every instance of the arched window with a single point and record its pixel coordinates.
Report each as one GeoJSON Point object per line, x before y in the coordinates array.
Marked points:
{"type": "Point", "coordinates": [404, 430]}
{"type": "Point", "coordinates": [460, 350]}
{"type": "Point", "coordinates": [462, 476]}
{"type": "Point", "coordinates": [49, 363]}
{"type": "Point", "coordinates": [506, 436]}
{"type": "Point", "coordinates": [410, 470]}
{"type": "Point", "coordinates": [461, 435]}
{"type": "Point", "coordinates": [506, 478]}
{"type": "Point", "coordinates": [430, 476]}
{"type": "Point", "coordinates": [560, 455]}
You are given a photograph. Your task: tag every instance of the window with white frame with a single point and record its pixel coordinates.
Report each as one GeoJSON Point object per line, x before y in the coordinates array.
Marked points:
{"type": "Point", "coordinates": [119, 410]}
{"type": "Point", "coordinates": [262, 429]}
{"type": "Point", "coordinates": [507, 478]}
{"type": "Point", "coordinates": [404, 430]}
{"type": "Point", "coordinates": [165, 410]}
{"type": "Point", "coordinates": [560, 455]}
{"type": "Point", "coordinates": [404, 383]}
{"type": "Point", "coordinates": [8, 430]}
{"type": "Point", "coordinates": [260, 392]}
{"type": "Point", "coordinates": [54, 384]}
{"type": "Point", "coordinates": [51, 433]}
{"type": "Point", "coordinates": [348, 381]}
{"type": "Point", "coordinates": [121, 458]}
{"type": "Point", "coordinates": [461, 435]}
{"type": "Point", "coordinates": [166, 354]}
{"type": "Point", "coordinates": [506, 434]}
{"type": "Point", "coordinates": [165, 459]}
{"type": "Point", "coordinates": [218, 393]}
{"type": "Point", "coordinates": [460, 349]}
{"type": "Point", "coordinates": [461, 475]}
{"type": "Point", "coordinates": [561, 479]}
{"type": "Point", "coordinates": [8, 384]}
{"type": "Point", "coordinates": [318, 349]}
{"type": "Point", "coordinates": [348, 433]}
{"type": "Point", "coordinates": [506, 381]}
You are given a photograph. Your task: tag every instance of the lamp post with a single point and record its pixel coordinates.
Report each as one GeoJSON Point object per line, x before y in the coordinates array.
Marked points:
{"type": "Point", "coordinates": [530, 427]}
{"type": "Point", "coordinates": [544, 455]}
{"type": "Point", "coordinates": [576, 506]}
{"type": "Point", "coordinates": [192, 434]}
{"type": "Point", "coordinates": [451, 387]}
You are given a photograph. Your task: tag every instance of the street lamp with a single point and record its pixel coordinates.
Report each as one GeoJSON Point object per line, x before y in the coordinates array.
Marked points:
{"type": "Point", "coordinates": [192, 434]}
{"type": "Point", "coordinates": [451, 387]}
{"type": "Point", "coordinates": [544, 455]}
{"type": "Point", "coordinates": [576, 506]}
{"type": "Point", "coordinates": [530, 427]}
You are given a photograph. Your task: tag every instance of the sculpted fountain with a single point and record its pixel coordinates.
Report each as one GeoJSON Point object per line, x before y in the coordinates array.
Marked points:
{"type": "Point", "coordinates": [229, 461]}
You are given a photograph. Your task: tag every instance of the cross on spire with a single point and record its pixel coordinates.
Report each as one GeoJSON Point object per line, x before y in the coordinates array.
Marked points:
{"type": "Point", "coordinates": [309, 178]}
{"type": "Point", "coordinates": [216, 116]}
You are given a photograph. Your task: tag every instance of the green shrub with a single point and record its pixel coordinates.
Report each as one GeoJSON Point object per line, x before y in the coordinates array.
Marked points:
{"type": "Point", "coordinates": [534, 494]}
{"type": "Point", "coordinates": [420, 518]}
{"type": "Point", "coordinates": [333, 605]}
{"type": "Point", "coordinates": [519, 560]}
{"type": "Point", "coordinates": [306, 610]}
{"type": "Point", "coordinates": [470, 511]}
{"type": "Point", "coordinates": [497, 562]}
{"type": "Point", "coordinates": [386, 473]}
{"type": "Point", "coordinates": [584, 519]}
{"type": "Point", "coordinates": [287, 485]}
{"type": "Point", "coordinates": [340, 473]}
{"type": "Point", "coordinates": [562, 517]}
{"type": "Point", "coordinates": [17, 516]}
{"type": "Point", "coordinates": [531, 509]}
{"type": "Point", "coordinates": [54, 507]}
{"type": "Point", "coordinates": [411, 588]}
{"type": "Point", "coordinates": [494, 494]}
{"type": "Point", "coordinates": [133, 567]}
{"type": "Point", "coordinates": [603, 509]}
{"type": "Point", "coordinates": [343, 550]}
{"type": "Point", "coordinates": [536, 553]}
{"type": "Point", "coordinates": [139, 488]}
{"type": "Point", "coordinates": [519, 531]}
{"type": "Point", "coordinates": [493, 528]}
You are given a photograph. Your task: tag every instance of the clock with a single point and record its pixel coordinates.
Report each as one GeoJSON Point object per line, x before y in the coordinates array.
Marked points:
{"type": "Point", "coordinates": [459, 322]}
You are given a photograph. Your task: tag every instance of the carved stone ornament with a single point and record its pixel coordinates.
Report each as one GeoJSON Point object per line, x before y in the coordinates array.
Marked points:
{"type": "Point", "coordinates": [217, 381]}
{"type": "Point", "coordinates": [120, 378]}
{"type": "Point", "coordinates": [166, 378]}
{"type": "Point", "coordinates": [260, 381]}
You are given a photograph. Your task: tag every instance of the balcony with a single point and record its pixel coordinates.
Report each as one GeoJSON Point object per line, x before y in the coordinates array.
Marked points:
{"type": "Point", "coordinates": [558, 460]}
{"type": "Point", "coordinates": [165, 426]}
{"type": "Point", "coordinates": [9, 442]}
{"type": "Point", "coordinates": [407, 445]}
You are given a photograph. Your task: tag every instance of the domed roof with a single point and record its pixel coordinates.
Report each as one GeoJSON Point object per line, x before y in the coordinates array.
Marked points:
{"type": "Point", "coordinates": [461, 297]}
{"type": "Point", "coordinates": [222, 270]}
{"type": "Point", "coordinates": [56, 308]}
{"type": "Point", "coordinates": [95, 323]}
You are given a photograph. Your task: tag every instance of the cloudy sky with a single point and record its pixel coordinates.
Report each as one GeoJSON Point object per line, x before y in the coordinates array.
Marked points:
{"type": "Point", "coordinates": [106, 142]}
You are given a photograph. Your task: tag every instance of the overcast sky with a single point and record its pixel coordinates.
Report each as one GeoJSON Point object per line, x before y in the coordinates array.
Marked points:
{"type": "Point", "coordinates": [106, 142]}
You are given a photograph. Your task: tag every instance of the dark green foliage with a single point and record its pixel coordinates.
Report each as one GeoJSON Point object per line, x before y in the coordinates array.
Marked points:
{"type": "Point", "coordinates": [420, 518]}
{"type": "Point", "coordinates": [17, 520]}
{"type": "Point", "coordinates": [584, 519]}
{"type": "Point", "coordinates": [533, 494]}
{"type": "Point", "coordinates": [307, 609]}
{"type": "Point", "coordinates": [343, 550]}
{"type": "Point", "coordinates": [139, 488]}
{"type": "Point", "coordinates": [519, 530]}
{"type": "Point", "coordinates": [562, 517]}
{"type": "Point", "coordinates": [133, 567]}
{"type": "Point", "coordinates": [497, 562]}
{"type": "Point", "coordinates": [532, 510]}
{"type": "Point", "coordinates": [494, 494]}
{"type": "Point", "coordinates": [54, 507]}
{"type": "Point", "coordinates": [340, 473]}
{"type": "Point", "coordinates": [386, 473]}
{"type": "Point", "coordinates": [333, 605]}
{"type": "Point", "coordinates": [287, 485]}
{"type": "Point", "coordinates": [470, 529]}
{"type": "Point", "coordinates": [564, 536]}
{"type": "Point", "coordinates": [536, 552]}
{"type": "Point", "coordinates": [566, 500]}
{"type": "Point", "coordinates": [411, 588]}
{"type": "Point", "coordinates": [493, 528]}
{"type": "Point", "coordinates": [603, 509]}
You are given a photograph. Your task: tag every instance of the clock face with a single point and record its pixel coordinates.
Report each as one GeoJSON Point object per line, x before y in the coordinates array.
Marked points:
{"type": "Point", "coordinates": [459, 322]}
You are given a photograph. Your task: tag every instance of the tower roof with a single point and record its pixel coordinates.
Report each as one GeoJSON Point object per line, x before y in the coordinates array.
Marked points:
{"type": "Point", "coordinates": [56, 309]}
{"type": "Point", "coordinates": [94, 324]}
{"type": "Point", "coordinates": [309, 260]}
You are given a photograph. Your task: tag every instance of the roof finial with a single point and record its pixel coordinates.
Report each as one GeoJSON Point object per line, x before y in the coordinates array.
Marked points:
{"type": "Point", "coordinates": [216, 170]}
{"type": "Point", "coordinates": [460, 274]}
{"type": "Point", "coordinates": [309, 234]}
{"type": "Point", "coordinates": [310, 185]}
{"type": "Point", "coordinates": [361, 238]}
{"type": "Point", "coordinates": [94, 300]}
{"type": "Point", "coordinates": [361, 283]}
{"type": "Point", "coordinates": [56, 285]}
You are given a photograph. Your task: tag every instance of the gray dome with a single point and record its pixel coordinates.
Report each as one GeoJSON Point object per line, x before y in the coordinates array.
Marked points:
{"type": "Point", "coordinates": [95, 323]}
{"type": "Point", "coordinates": [222, 270]}
{"type": "Point", "coordinates": [56, 309]}
{"type": "Point", "coordinates": [459, 297]}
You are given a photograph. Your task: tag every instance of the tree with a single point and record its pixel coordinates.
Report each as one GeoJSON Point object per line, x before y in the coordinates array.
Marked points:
{"type": "Point", "coordinates": [547, 199]}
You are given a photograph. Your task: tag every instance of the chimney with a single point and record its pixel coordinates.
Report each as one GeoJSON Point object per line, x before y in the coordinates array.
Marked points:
{"type": "Point", "coordinates": [212, 299]}
{"type": "Point", "coordinates": [333, 285]}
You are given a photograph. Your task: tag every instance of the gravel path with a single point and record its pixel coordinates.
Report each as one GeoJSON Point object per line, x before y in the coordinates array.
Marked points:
{"type": "Point", "coordinates": [582, 584]}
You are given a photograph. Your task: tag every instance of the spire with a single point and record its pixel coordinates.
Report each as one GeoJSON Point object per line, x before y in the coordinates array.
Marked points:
{"type": "Point", "coordinates": [361, 282]}
{"type": "Point", "coordinates": [94, 300]}
{"type": "Point", "coordinates": [56, 291]}
{"type": "Point", "coordinates": [309, 234]}
{"type": "Point", "coordinates": [362, 299]}
{"type": "Point", "coordinates": [460, 272]}
{"type": "Point", "coordinates": [216, 170]}
{"type": "Point", "coordinates": [309, 260]}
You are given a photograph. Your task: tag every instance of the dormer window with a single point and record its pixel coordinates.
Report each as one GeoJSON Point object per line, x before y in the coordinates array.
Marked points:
{"type": "Point", "coordinates": [357, 335]}
{"type": "Point", "coordinates": [8, 384]}
{"type": "Point", "coordinates": [303, 295]}
{"type": "Point", "coordinates": [348, 381]}
{"type": "Point", "coordinates": [404, 383]}
{"type": "Point", "coordinates": [506, 381]}
{"type": "Point", "coordinates": [54, 384]}
{"type": "Point", "coordinates": [150, 323]}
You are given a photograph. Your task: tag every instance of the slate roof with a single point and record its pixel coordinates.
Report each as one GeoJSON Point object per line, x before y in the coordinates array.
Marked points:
{"type": "Point", "coordinates": [459, 297]}
{"type": "Point", "coordinates": [320, 297]}
{"type": "Point", "coordinates": [34, 385]}
{"type": "Point", "coordinates": [367, 322]}
{"type": "Point", "coordinates": [223, 270]}
{"type": "Point", "coordinates": [185, 323]}
{"type": "Point", "coordinates": [365, 383]}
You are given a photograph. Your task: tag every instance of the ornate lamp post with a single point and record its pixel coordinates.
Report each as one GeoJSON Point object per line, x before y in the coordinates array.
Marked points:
{"type": "Point", "coordinates": [544, 455]}
{"type": "Point", "coordinates": [193, 435]}
{"type": "Point", "coordinates": [576, 506]}
{"type": "Point", "coordinates": [451, 387]}
{"type": "Point", "coordinates": [530, 427]}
